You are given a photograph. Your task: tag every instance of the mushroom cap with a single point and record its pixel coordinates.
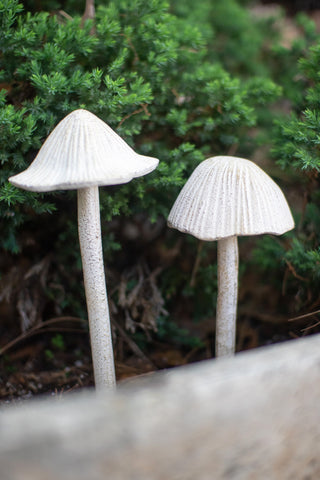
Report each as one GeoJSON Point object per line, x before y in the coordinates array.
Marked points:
{"type": "Point", "coordinates": [82, 151]}
{"type": "Point", "coordinates": [228, 196]}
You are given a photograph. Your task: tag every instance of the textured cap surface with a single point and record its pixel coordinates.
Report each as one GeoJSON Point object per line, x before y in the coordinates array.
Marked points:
{"type": "Point", "coordinates": [228, 196]}
{"type": "Point", "coordinates": [82, 151]}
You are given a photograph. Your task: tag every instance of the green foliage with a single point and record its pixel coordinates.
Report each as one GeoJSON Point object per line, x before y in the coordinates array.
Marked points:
{"type": "Point", "coordinates": [169, 331]}
{"type": "Point", "coordinates": [58, 342]}
{"type": "Point", "coordinates": [239, 43]}
{"type": "Point", "coordinates": [296, 147]}
{"type": "Point", "coordinates": [236, 39]}
{"type": "Point", "coordinates": [284, 60]}
{"type": "Point", "coordinates": [179, 82]}
{"type": "Point", "coordinates": [297, 137]}
{"type": "Point", "coordinates": [144, 71]}
{"type": "Point", "coordinates": [58, 345]}
{"type": "Point", "coordinates": [268, 253]}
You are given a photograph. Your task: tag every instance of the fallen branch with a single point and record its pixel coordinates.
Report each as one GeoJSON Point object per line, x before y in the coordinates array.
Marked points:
{"type": "Point", "coordinates": [41, 328]}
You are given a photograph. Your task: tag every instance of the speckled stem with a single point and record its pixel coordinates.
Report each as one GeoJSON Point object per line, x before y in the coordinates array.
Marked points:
{"type": "Point", "coordinates": [228, 260]}
{"type": "Point", "coordinates": [95, 286]}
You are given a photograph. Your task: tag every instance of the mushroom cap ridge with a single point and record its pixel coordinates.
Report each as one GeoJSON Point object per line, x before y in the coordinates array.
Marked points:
{"type": "Point", "coordinates": [82, 151]}
{"type": "Point", "coordinates": [228, 196]}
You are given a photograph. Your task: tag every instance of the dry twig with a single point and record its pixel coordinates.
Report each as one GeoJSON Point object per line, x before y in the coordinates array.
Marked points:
{"type": "Point", "coordinates": [41, 328]}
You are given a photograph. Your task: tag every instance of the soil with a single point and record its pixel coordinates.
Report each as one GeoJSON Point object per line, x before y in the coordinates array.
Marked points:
{"type": "Point", "coordinates": [52, 356]}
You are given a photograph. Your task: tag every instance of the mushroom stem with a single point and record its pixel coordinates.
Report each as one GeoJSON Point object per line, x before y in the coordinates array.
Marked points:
{"type": "Point", "coordinates": [228, 260]}
{"type": "Point", "coordinates": [95, 286]}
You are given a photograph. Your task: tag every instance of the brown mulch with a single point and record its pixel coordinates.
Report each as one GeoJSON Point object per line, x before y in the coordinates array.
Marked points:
{"type": "Point", "coordinates": [56, 361]}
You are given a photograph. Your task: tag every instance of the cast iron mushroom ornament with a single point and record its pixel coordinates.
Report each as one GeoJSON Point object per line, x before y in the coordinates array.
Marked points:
{"type": "Point", "coordinates": [83, 153]}
{"type": "Point", "coordinates": [226, 197]}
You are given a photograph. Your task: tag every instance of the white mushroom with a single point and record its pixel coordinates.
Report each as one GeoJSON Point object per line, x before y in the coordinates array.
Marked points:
{"type": "Point", "coordinates": [226, 197]}
{"type": "Point", "coordinates": [83, 153]}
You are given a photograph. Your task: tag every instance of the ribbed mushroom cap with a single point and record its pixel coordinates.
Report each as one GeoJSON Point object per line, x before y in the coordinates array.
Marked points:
{"type": "Point", "coordinates": [82, 151]}
{"type": "Point", "coordinates": [228, 196]}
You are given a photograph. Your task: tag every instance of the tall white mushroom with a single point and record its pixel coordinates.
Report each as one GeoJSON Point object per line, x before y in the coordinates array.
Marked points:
{"type": "Point", "coordinates": [226, 197]}
{"type": "Point", "coordinates": [83, 153]}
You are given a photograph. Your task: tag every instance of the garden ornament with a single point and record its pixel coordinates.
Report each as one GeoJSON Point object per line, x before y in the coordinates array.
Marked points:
{"type": "Point", "coordinates": [83, 153]}
{"type": "Point", "coordinates": [226, 197]}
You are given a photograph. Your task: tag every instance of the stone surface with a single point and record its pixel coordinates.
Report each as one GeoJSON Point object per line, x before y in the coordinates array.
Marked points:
{"type": "Point", "coordinates": [254, 416]}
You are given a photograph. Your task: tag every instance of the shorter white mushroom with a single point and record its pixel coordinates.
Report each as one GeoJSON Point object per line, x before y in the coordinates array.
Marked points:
{"type": "Point", "coordinates": [83, 153]}
{"type": "Point", "coordinates": [226, 197]}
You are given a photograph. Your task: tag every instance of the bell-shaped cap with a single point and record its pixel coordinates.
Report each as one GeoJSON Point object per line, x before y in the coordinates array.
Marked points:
{"type": "Point", "coordinates": [228, 196]}
{"type": "Point", "coordinates": [82, 151]}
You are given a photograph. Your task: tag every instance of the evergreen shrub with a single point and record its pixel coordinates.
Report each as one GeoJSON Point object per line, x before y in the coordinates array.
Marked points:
{"type": "Point", "coordinates": [170, 88]}
{"type": "Point", "coordinates": [295, 149]}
